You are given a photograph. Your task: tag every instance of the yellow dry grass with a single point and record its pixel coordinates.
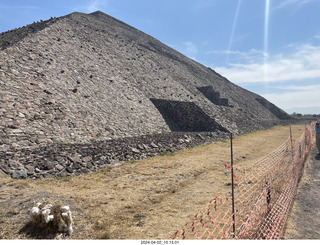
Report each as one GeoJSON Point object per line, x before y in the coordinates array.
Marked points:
{"type": "Point", "coordinates": [147, 199]}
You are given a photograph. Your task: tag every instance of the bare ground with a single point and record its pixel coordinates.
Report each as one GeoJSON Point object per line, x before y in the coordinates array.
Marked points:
{"type": "Point", "coordinates": [304, 219]}
{"type": "Point", "coordinates": [147, 199]}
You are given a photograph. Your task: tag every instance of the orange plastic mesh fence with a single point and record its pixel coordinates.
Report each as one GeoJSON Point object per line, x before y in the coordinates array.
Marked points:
{"type": "Point", "coordinates": [262, 197]}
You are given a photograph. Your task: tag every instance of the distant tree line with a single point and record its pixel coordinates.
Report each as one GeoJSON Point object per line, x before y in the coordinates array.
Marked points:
{"type": "Point", "coordinates": [305, 116]}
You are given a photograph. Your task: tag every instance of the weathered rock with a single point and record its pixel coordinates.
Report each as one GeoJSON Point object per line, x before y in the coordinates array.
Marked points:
{"type": "Point", "coordinates": [14, 164]}
{"type": "Point", "coordinates": [87, 159]}
{"type": "Point", "coordinates": [76, 166]}
{"type": "Point", "coordinates": [21, 115]}
{"type": "Point", "coordinates": [69, 169]}
{"type": "Point", "coordinates": [145, 147]}
{"type": "Point", "coordinates": [30, 169]}
{"type": "Point", "coordinates": [49, 166]}
{"type": "Point", "coordinates": [16, 131]}
{"type": "Point", "coordinates": [134, 150]}
{"type": "Point", "coordinates": [5, 168]}
{"type": "Point", "coordinates": [62, 174]}
{"type": "Point", "coordinates": [19, 174]}
{"type": "Point", "coordinates": [140, 147]}
{"type": "Point", "coordinates": [154, 145]}
{"type": "Point", "coordinates": [46, 175]}
{"type": "Point", "coordinates": [59, 167]}
{"type": "Point", "coordinates": [84, 171]}
{"type": "Point", "coordinates": [75, 158]}
{"type": "Point", "coordinates": [59, 159]}
{"type": "Point", "coordinates": [3, 174]}
{"type": "Point", "coordinates": [199, 135]}
{"type": "Point", "coordinates": [89, 165]}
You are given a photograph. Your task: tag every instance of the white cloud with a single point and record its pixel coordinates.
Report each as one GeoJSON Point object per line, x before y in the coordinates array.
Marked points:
{"type": "Point", "coordinates": [286, 3]}
{"type": "Point", "coordinates": [249, 57]}
{"type": "Point", "coordinates": [303, 99]}
{"type": "Point", "coordinates": [189, 49]}
{"type": "Point", "coordinates": [295, 4]}
{"type": "Point", "coordinates": [298, 66]}
{"type": "Point", "coordinates": [93, 5]}
{"type": "Point", "coordinates": [303, 63]}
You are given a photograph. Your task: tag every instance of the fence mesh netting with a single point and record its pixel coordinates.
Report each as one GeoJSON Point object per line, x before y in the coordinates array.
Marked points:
{"type": "Point", "coordinates": [263, 194]}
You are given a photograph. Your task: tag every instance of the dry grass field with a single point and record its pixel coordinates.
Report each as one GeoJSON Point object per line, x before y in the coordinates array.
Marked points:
{"type": "Point", "coordinates": [147, 199]}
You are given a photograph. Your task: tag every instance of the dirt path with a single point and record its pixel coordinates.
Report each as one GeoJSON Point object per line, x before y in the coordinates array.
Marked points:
{"type": "Point", "coordinates": [147, 199]}
{"type": "Point", "coordinates": [304, 220]}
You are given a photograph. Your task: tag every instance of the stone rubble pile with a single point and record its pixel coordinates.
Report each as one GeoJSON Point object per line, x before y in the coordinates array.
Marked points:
{"type": "Point", "coordinates": [62, 160]}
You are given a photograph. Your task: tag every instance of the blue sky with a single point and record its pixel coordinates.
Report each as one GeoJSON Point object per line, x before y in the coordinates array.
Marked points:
{"type": "Point", "coordinates": [270, 47]}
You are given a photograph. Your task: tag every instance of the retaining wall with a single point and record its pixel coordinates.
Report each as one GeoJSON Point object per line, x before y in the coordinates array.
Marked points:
{"type": "Point", "coordinates": [61, 160]}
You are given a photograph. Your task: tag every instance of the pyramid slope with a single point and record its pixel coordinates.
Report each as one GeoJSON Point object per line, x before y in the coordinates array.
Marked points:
{"type": "Point", "coordinates": [90, 77]}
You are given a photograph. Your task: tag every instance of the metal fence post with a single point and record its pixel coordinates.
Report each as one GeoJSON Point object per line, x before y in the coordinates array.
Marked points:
{"type": "Point", "coordinates": [305, 136]}
{"type": "Point", "coordinates": [291, 141]}
{"type": "Point", "coordinates": [232, 188]}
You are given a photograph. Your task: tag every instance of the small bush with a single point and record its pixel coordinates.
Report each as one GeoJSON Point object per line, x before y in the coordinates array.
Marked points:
{"type": "Point", "coordinates": [166, 153]}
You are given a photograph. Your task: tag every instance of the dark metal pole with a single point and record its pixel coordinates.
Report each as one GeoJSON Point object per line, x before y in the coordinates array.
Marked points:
{"type": "Point", "coordinates": [268, 196]}
{"type": "Point", "coordinates": [305, 136]}
{"type": "Point", "coordinates": [291, 141]}
{"type": "Point", "coordinates": [232, 187]}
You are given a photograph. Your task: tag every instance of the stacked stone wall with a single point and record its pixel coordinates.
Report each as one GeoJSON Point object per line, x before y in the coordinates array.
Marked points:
{"type": "Point", "coordinates": [186, 116]}
{"type": "Point", "coordinates": [213, 96]}
{"type": "Point", "coordinates": [61, 160]}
